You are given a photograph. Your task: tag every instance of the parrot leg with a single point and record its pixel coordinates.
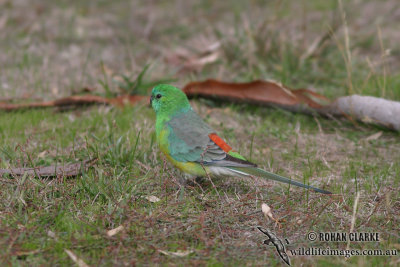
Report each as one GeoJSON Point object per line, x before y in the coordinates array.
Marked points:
{"type": "Point", "coordinates": [186, 179]}
{"type": "Point", "coordinates": [192, 180]}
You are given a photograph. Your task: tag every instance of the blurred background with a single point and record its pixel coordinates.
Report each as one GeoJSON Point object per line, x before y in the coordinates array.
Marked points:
{"type": "Point", "coordinates": [51, 49]}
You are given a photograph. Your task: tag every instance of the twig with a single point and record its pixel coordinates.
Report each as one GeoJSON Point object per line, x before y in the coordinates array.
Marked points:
{"type": "Point", "coordinates": [71, 169]}
{"type": "Point", "coordinates": [353, 218]}
{"type": "Point", "coordinates": [212, 183]}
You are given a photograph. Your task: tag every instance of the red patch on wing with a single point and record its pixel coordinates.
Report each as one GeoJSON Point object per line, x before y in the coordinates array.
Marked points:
{"type": "Point", "coordinates": [220, 142]}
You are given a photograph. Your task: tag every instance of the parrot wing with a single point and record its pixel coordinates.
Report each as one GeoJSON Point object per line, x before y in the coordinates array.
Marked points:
{"type": "Point", "coordinates": [191, 139]}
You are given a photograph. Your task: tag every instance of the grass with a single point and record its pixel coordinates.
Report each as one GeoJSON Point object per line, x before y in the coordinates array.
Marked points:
{"type": "Point", "coordinates": [94, 44]}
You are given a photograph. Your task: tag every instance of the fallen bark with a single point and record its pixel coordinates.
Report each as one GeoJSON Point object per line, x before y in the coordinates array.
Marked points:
{"type": "Point", "coordinates": [77, 100]}
{"type": "Point", "coordinates": [67, 170]}
{"type": "Point", "coordinates": [367, 109]}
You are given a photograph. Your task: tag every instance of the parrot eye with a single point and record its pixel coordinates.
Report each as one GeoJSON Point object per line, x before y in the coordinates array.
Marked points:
{"type": "Point", "coordinates": [158, 96]}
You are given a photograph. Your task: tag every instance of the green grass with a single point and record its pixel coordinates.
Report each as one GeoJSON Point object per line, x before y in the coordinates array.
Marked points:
{"type": "Point", "coordinates": [103, 45]}
{"type": "Point", "coordinates": [80, 210]}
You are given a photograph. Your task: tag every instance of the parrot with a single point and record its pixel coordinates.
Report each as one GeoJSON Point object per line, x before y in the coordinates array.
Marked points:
{"type": "Point", "coordinates": [192, 146]}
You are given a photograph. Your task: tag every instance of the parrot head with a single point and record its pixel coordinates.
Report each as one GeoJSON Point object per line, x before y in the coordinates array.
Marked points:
{"type": "Point", "coordinates": [168, 99]}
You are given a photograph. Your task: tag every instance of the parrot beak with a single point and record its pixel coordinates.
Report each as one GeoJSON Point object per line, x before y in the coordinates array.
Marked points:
{"type": "Point", "coordinates": [151, 99]}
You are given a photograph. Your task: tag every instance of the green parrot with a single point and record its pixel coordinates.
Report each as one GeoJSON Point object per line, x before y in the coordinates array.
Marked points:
{"type": "Point", "coordinates": [194, 147]}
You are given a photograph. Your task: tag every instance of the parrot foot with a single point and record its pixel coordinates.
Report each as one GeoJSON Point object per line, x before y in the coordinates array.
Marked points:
{"type": "Point", "coordinates": [190, 180]}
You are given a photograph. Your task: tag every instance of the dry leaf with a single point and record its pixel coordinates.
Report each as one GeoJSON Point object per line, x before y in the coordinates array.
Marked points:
{"type": "Point", "coordinates": [261, 92]}
{"type": "Point", "coordinates": [42, 154]}
{"type": "Point", "coordinates": [75, 259]}
{"type": "Point", "coordinates": [153, 199]}
{"type": "Point", "coordinates": [51, 234]}
{"type": "Point", "coordinates": [202, 52]}
{"type": "Point", "coordinates": [178, 253]}
{"type": "Point", "coordinates": [266, 210]}
{"type": "Point", "coordinates": [198, 63]}
{"type": "Point", "coordinates": [375, 136]}
{"type": "Point", "coordinates": [115, 231]}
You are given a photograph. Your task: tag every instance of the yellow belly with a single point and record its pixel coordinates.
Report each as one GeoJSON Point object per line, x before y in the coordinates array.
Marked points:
{"type": "Point", "coordinates": [192, 168]}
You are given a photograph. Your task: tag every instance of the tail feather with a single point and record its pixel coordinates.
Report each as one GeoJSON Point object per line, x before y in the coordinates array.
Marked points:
{"type": "Point", "coordinates": [269, 175]}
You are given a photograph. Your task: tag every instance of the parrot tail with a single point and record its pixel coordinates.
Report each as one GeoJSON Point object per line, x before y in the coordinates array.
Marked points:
{"type": "Point", "coordinates": [269, 175]}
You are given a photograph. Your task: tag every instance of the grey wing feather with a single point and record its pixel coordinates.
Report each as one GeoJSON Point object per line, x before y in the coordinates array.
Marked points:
{"type": "Point", "coordinates": [194, 143]}
{"type": "Point", "coordinates": [189, 137]}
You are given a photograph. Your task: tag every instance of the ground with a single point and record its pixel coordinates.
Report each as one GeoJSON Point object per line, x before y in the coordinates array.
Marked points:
{"type": "Point", "coordinates": [52, 49]}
